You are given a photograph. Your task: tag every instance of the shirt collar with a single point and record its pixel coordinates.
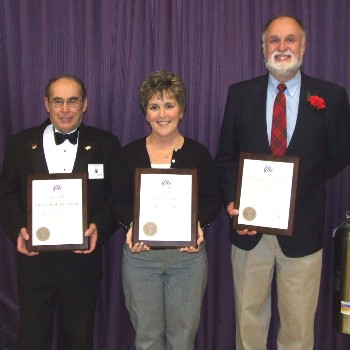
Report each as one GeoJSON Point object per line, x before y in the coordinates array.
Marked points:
{"type": "Point", "coordinates": [292, 84]}
{"type": "Point", "coordinates": [55, 130]}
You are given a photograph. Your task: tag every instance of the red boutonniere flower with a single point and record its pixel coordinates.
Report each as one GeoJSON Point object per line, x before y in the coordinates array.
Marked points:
{"type": "Point", "coordinates": [316, 101]}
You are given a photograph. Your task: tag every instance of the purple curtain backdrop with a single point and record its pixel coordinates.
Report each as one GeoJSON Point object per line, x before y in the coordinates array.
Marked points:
{"type": "Point", "coordinates": [113, 45]}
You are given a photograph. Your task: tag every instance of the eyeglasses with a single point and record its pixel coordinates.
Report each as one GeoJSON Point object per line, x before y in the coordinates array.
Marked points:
{"type": "Point", "coordinates": [71, 102]}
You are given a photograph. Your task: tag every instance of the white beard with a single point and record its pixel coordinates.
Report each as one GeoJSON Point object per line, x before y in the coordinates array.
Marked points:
{"type": "Point", "coordinates": [283, 69]}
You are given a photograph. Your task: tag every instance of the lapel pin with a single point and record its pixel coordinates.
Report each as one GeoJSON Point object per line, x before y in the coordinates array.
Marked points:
{"type": "Point", "coordinates": [88, 147]}
{"type": "Point", "coordinates": [34, 146]}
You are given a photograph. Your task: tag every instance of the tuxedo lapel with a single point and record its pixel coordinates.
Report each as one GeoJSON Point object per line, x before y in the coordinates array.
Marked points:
{"type": "Point", "coordinates": [306, 114]}
{"type": "Point", "coordinates": [35, 150]}
{"type": "Point", "coordinates": [259, 114]}
{"type": "Point", "coordinates": [86, 149]}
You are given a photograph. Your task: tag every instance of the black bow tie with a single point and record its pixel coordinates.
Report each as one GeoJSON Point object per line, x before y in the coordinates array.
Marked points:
{"type": "Point", "coordinates": [72, 137]}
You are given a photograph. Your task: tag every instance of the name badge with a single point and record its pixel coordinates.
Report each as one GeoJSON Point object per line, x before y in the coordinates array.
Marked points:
{"type": "Point", "coordinates": [96, 171]}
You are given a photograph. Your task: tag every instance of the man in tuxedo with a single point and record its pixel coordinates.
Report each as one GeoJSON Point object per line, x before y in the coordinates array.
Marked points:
{"type": "Point", "coordinates": [316, 129]}
{"type": "Point", "coordinates": [70, 279]}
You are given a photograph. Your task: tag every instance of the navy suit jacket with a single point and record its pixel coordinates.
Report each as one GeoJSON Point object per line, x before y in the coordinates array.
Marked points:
{"type": "Point", "coordinates": [24, 155]}
{"type": "Point", "coordinates": [320, 139]}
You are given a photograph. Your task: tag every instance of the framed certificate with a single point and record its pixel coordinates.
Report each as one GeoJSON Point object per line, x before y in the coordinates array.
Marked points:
{"type": "Point", "coordinates": [165, 207]}
{"type": "Point", "coordinates": [266, 193]}
{"type": "Point", "coordinates": [57, 212]}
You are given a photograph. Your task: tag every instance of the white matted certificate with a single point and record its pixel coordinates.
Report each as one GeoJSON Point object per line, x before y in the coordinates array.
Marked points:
{"type": "Point", "coordinates": [165, 209]}
{"type": "Point", "coordinates": [57, 212]}
{"type": "Point", "coordinates": [266, 191]}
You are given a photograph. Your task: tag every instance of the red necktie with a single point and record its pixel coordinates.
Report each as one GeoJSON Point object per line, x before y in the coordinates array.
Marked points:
{"type": "Point", "coordinates": [279, 123]}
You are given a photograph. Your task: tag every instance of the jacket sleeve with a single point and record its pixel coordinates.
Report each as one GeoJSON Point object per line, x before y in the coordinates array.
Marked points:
{"type": "Point", "coordinates": [101, 212]}
{"type": "Point", "coordinates": [123, 188]}
{"type": "Point", "coordinates": [209, 201]}
{"type": "Point", "coordinates": [226, 159]}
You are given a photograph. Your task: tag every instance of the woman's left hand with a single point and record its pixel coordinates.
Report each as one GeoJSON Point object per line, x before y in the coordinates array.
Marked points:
{"type": "Point", "coordinates": [200, 239]}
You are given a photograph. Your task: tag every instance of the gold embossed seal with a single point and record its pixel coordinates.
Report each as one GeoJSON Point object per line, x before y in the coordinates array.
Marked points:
{"type": "Point", "coordinates": [249, 213]}
{"type": "Point", "coordinates": [42, 233]}
{"type": "Point", "coordinates": [150, 228]}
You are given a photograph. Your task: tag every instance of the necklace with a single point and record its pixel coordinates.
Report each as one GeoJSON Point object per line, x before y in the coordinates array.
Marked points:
{"type": "Point", "coordinates": [168, 154]}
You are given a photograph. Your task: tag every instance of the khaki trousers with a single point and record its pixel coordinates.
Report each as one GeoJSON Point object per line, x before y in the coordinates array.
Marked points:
{"type": "Point", "coordinates": [298, 282]}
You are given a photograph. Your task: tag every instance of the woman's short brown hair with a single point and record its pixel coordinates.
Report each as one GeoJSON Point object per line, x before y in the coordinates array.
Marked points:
{"type": "Point", "coordinates": [161, 82]}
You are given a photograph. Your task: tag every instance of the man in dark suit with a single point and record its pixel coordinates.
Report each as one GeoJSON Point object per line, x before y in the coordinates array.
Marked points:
{"type": "Point", "coordinates": [317, 131]}
{"type": "Point", "coordinates": [70, 279]}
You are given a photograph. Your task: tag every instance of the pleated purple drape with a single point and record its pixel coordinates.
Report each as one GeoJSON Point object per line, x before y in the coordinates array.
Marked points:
{"type": "Point", "coordinates": [113, 45]}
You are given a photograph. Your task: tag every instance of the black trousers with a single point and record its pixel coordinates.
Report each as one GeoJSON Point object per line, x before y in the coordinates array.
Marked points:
{"type": "Point", "coordinates": [67, 290]}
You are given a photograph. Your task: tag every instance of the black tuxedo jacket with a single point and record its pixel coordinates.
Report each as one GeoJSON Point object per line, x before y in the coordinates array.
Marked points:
{"type": "Point", "coordinates": [24, 155]}
{"type": "Point", "coordinates": [321, 140]}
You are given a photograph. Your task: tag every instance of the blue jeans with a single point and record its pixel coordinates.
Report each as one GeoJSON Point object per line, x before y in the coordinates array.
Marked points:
{"type": "Point", "coordinates": [163, 294]}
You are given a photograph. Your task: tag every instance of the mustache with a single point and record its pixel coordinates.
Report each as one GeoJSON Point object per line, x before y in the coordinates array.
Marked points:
{"type": "Point", "coordinates": [279, 53]}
